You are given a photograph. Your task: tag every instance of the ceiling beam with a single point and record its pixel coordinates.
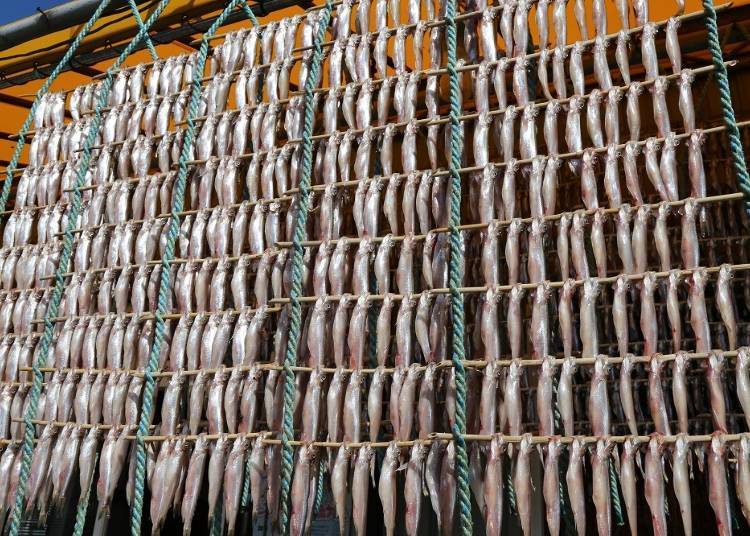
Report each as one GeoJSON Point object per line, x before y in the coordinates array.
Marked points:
{"type": "Point", "coordinates": [96, 52]}
{"type": "Point", "coordinates": [15, 101]}
{"type": "Point", "coordinates": [21, 102]}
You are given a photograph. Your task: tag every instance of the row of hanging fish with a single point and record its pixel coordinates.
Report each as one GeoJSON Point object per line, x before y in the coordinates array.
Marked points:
{"type": "Point", "coordinates": [223, 398]}
{"type": "Point", "coordinates": [123, 122]}
{"type": "Point", "coordinates": [175, 475]}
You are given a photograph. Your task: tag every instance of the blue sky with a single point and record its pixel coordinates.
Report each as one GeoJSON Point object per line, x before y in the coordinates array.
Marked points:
{"type": "Point", "coordinates": [11, 10]}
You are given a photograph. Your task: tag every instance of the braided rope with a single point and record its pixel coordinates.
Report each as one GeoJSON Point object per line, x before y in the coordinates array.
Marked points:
{"type": "Point", "coordinates": [458, 353]}
{"type": "Point", "coordinates": [725, 96]}
{"type": "Point", "coordinates": [65, 254]}
{"type": "Point", "coordinates": [139, 21]}
{"type": "Point", "coordinates": [164, 288]}
{"type": "Point", "coordinates": [250, 15]}
{"type": "Point", "coordinates": [83, 505]}
{"type": "Point", "coordinates": [245, 498]}
{"type": "Point", "coordinates": [300, 232]}
{"type": "Point", "coordinates": [699, 108]}
{"type": "Point", "coordinates": [319, 492]}
{"type": "Point", "coordinates": [5, 194]}
{"type": "Point", "coordinates": [614, 491]}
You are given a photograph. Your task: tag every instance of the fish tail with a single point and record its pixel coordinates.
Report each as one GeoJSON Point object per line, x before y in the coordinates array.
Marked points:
{"type": "Point", "coordinates": [102, 520]}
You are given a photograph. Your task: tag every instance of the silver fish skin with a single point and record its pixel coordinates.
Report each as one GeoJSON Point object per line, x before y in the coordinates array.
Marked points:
{"type": "Point", "coordinates": [387, 487]}
{"type": "Point", "coordinates": [648, 49]}
{"type": "Point", "coordinates": [544, 397]}
{"type": "Point", "coordinates": [673, 44]}
{"type": "Point", "coordinates": [600, 460]}
{"type": "Point", "coordinates": [512, 254]}
{"type": "Point", "coordinates": [86, 458]}
{"type": "Point", "coordinates": [685, 100]}
{"type": "Point", "coordinates": [698, 313]}
{"type": "Point", "coordinates": [39, 466]}
{"type": "Point", "coordinates": [551, 486]}
{"type": "Point", "coordinates": [689, 239]}
{"type": "Point", "coordinates": [725, 304]}
{"type": "Point", "coordinates": [414, 487]}
{"type": "Point", "coordinates": [447, 492]}
{"type": "Point", "coordinates": [601, 66]}
{"type": "Point", "coordinates": [598, 403]}
{"type": "Point", "coordinates": [407, 399]}
{"type": "Point", "coordinates": [681, 470]}
{"type": "Point", "coordinates": [216, 465]}
{"type": "Point", "coordinates": [563, 245]}
{"type": "Point", "coordinates": [598, 243]}
{"type": "Point", "coordinates": [312, 417]}
{"type": "Point", "coordinates": [493, 487]}
{"type": "Point", "coordinates": [679, 390]}
{"type": "Point", "coordinates": [426, 409]}
{"type": "Point", "coordinates": [656, 397]}
{"type": "Point", "coordinates": [575, 483]}
{"type": "Point", "coordinates": [233, 481]}
{"type": "Point", "coordinates": [718, 492]}
{"type": "Point", "coordinates": [742, 475]}
{"type": "Point", "coordinates": [352, 416]}
{"type": "Point", "coordinates": [648, 319]}
{"type": "Point", "coordinates": [626, 393]}
{"type": "Point", "coordinates": [654, 484]}
{"type": "Point", "coordinates": [588, 180]}
{"type": "Point", "coordinates": [375, 402]}
{"type": "Point", "coordinates": [339, 483]}
{"type": "Point", "coordinates": [714, 373]}
{"type": "Point", "coordinates": [588, 320]}
{"type": "Point", "coordinates": [620, 313]}
{"type": "Point", "coordinates": [628, 458]}
{"type": "Point", "coordinates": [743, 380]}
{"type": "Point", "coordinates": [513, 408]}
{"type": "Point", "coordinates": [514, 320]}
{"type": "Point", "coordinates": [360, 487]}
{"type": "Point", "coordinates": [696, 169]}
{"type": "Point", "coordinates": [112, 460]}
{"type": "Point", "coordinates": [565, 395]}
{"type": "Point", "coordinates": [335, 397]}
{"type": "Point", "coordinates": [257, 470]}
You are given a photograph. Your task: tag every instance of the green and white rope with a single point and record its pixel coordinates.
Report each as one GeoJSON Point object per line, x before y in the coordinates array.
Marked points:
{"type": "Point", "coordinates": [300, 232]}
{"type": "Point", "coordinates": [458, 352]}
{"type": "Point", "coordinates": [725, 97]}
{"type": "Point", "coordinates": [72, 48]}
{"type": "Point", "coordinates": [65, 254]}
{"type": "Point", "coordinates": [164, 283]}
{"type": "Point", "coordinates": [139, 21]}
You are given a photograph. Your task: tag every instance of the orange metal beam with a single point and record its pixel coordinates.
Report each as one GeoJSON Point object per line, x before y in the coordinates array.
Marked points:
{"type": "Point", "coordinates": [109, 29]}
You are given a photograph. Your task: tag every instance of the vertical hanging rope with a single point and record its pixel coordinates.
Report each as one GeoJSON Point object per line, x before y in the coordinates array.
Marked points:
{"type": "Point", "coordinates": [295, 313]}
{"type": "Point", "coordinates": [725, 96]}
{"type": "Point", "coordinates": [614, 491]}
{"type": "Point", "coordinates": [65, 254]}
{"type": "Point", "coordinates": [162, 305]}
{"type": "Point", "coordinates": [139, 21]}
{"type": "Point", "coordinates": [250, 15]}
{"type": "Point", "coordinates": [457, 300]}
{"type": "Point", "coordinates": [42, 91]}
